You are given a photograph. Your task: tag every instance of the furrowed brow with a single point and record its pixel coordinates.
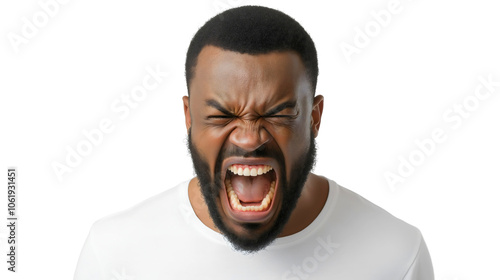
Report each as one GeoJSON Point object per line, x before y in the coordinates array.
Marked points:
{"type": "Point", "coordinates": [214, 104]}
{"type": "Point", "coordinates": [281, 107]}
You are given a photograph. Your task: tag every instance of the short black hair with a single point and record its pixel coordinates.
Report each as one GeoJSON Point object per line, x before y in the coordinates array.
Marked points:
{"type": "Point", "coordinates": [254, 30]}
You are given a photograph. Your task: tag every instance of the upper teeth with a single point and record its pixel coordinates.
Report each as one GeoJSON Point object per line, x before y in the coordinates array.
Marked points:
{"type": "Point", "coordinates": [250, 171]}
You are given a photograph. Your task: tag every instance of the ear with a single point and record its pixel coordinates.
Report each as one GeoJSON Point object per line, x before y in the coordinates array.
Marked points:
{"type": "Point", "coordinates": [187, 113]}
{"type": "Point", "coordinates": [316, 113]}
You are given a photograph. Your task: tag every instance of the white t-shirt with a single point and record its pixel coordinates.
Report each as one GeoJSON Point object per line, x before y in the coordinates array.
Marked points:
{"type": "Point", "coordinates": [162, 238]}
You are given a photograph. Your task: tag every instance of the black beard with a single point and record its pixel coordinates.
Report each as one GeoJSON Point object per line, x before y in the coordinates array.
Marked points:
{"type": "Point", "coordinates": [211, 187]}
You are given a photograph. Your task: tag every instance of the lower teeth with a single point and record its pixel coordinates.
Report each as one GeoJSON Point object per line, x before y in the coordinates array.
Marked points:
{"type": "Point", "coordinates": [236, 203]}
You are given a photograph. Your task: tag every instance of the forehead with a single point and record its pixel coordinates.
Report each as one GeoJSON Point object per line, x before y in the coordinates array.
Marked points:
{"type": "Point", "coordinates": [229, 76]}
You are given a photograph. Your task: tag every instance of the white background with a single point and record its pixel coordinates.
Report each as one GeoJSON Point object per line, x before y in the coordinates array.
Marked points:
{"type": "Point", "coordinates": [394, 91]}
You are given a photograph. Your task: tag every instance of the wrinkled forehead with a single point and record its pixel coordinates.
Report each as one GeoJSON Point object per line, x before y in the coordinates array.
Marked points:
{"type": "Point", "coordinates": [235, 77]}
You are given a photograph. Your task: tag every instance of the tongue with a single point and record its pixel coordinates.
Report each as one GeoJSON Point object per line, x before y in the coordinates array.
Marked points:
{"type": "Point", "coordinates": [251, 189]}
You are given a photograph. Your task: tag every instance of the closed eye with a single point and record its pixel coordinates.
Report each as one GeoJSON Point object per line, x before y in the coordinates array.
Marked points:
{"type": "Point", "coordinates": [282, 116]}
{"type": "Point", "coordinates": [281, 119]}
{"type": "Point", "coordinates": [220, 117]}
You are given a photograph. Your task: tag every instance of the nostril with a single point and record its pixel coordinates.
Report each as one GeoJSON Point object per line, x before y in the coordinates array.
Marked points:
{"type": "Point", "coordinates": [261, 151]}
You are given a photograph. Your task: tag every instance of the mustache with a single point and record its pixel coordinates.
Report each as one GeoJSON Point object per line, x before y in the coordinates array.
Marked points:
{"type": "Point", "coordinates": [262, 151]}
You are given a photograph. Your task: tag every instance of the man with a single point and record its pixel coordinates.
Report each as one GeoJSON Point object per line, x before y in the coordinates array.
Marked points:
{"type": "Point", "coordinates": [254, 210]}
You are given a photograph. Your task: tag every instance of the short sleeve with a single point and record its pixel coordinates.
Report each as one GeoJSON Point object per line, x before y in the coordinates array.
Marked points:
{"type": "Point", "coordinates": [421, 268]}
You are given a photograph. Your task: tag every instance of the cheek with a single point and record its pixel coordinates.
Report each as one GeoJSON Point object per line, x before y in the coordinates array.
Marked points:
{"type": "Point", "coordinates": [293, 142]}
{"type": "Point", "coordinates": [209, 143]}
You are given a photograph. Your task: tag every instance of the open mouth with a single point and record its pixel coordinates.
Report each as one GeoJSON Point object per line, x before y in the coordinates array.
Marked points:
{"type": "Point", "coordinates": [250, 190]}
{"type": "Point", "coordinates": [250, 187]}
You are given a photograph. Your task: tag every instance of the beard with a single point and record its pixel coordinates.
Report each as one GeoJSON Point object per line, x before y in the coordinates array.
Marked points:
{"type": "Point", "coordinates": [211, 186]}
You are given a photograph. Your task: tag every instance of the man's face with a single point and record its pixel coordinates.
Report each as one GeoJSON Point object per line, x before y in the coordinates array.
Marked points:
{"type": "Point", "coordinates": [252, 122]}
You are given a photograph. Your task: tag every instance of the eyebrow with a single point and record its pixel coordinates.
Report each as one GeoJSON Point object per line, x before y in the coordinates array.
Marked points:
{"type": "Point", "coordinates": [218, 106]}
{"type": "Point", "coordinates": [285, 105]}
{"type": "Point", "coordinates": [281, 107]}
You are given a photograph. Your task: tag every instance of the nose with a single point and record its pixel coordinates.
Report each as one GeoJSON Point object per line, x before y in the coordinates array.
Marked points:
{"type": "Point", "coordinates": [249, 136]}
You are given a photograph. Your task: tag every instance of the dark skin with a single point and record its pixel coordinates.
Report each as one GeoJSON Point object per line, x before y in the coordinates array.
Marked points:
{"type": "Point", "coordinates": [249, 101]}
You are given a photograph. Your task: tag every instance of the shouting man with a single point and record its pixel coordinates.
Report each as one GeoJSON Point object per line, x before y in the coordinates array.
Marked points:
{"type": "Point", "coordinates": [254, 210]}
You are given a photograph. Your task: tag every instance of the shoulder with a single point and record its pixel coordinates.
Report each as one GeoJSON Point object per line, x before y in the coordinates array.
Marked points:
{"type": "Point", "coordinates": [375, 231]}
{"type": "Point", "coordinates": [153, 214]}
{"type": "Point", "coordinates": [357, 211]}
